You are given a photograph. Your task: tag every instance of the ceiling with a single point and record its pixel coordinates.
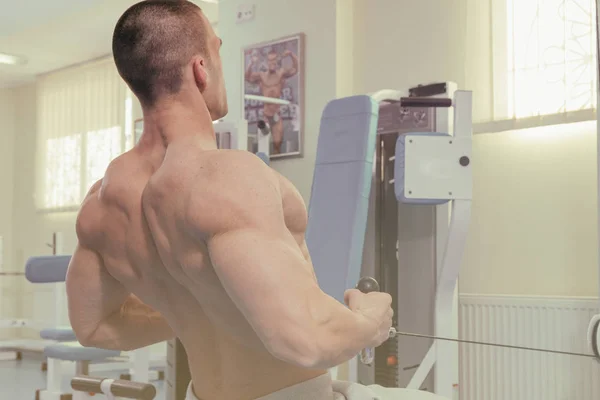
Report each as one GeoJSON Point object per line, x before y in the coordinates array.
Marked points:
{"type": "Point", "coordinates": [58, 33]}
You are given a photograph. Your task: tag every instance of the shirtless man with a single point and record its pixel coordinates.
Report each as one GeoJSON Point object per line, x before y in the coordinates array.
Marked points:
{"type": "Point", "coordinates": [271, 85]}
{"type": "Point", "coordinates": [180, 239]}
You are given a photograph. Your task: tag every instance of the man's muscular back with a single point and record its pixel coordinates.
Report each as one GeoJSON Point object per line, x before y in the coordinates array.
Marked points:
{"type": "Point", "coordinates": [212, 243]}
{"type": "Point", "coordinates": [137, 219]}
{"type": "Point", "coordinates": [198, 196]}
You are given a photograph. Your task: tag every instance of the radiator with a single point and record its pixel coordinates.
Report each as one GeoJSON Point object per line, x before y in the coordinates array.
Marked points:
{"type": "Point", "coordinates": [491, 373]}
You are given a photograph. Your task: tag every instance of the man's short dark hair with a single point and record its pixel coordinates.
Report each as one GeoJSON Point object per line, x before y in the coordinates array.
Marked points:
{"type": "Point", "coordinates": [152, 42]}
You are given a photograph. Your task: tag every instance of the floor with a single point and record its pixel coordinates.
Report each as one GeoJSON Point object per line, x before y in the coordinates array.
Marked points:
{"type": "Point", "coordinates": [20, 379]}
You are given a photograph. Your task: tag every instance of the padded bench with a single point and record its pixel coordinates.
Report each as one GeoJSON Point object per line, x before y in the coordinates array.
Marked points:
{"type": "Point", "coordinates": [60, 334]}
{"type": "Point", "coordinates": [73, 351]}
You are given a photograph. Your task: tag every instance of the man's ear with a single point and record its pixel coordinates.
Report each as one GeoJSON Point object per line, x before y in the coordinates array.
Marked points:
{"type": "Point", "coordinates": [200, 73]}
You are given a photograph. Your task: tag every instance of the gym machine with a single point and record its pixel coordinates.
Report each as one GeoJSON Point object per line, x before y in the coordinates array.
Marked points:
{"type": "Point", "coordinates": [388, 165]}
{"type": "Point", "coordinates": [423, 164]}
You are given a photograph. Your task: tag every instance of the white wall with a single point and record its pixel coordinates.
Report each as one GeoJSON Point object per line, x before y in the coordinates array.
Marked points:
{"type": "Point", "coordinates": [534, 228]}
{"type": "Point", "coordinates": [32, 230]}
{"type": "Point", "coordinates": [8, 285]}
{"type": "Point", "coordinates": [399, 44]}
{"type": "Point", "coordinates": [275, 19]}
{"type": "Point", "coordinates": [7, 136]}
{"type": "Point", "coordinates": [408, 43]}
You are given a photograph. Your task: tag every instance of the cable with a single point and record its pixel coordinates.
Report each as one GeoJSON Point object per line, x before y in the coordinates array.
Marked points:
{"type": "Point", "coordinates": [394, 332]}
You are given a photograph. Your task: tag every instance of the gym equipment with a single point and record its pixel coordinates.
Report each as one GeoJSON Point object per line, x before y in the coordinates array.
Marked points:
{"type": "Point", "coordinates": [14, 349]}
{"type": "Point", "coordinates": [112, 389]}
{"type": "Point", "coordinates": [339, 203]}
{"type": "Point", "coordinates": [427, 169]}
{"type": "Point", "coordinates": [368, 285]}
{"type": "Point", "coordinates": [53, 269]}
{"type": "Point", "coordinates": [421, 161]}
{"type": "Point", "coordinates": [11, 350]}
{"type": "Point", "coordinates": [376, 252]}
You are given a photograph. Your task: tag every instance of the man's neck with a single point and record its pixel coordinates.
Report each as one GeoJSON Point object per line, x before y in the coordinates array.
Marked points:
{"type": "Point", "coordinates": [166, 123]}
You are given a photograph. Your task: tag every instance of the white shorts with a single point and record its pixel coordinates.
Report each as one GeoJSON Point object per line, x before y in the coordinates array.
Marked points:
{"type": "Point", "coordinates": [323, 388]}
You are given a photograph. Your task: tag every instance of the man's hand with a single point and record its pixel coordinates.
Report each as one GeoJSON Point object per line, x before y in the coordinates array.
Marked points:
{"type": "Point", "coordinates": [375, 306]}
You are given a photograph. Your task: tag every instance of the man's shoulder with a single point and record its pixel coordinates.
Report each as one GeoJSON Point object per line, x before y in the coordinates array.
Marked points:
{"type": "Point", "coordinates": [89, 225]}
{"type": "Point", "coordinates": [112, 197]}
{"type": "Point", "coordinates": [195, 167]}
{"type": "Point", "coordinates": [204, 180]}
{"type": "Point", "coordinates": [221, 188]}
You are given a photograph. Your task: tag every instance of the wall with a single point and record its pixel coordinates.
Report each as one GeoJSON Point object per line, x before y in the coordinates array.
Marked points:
{"type": "Point", "coordinates": [403, 46]}
{"type": "Point", "coordinates": [8, 289]}
{"type": "Point", "coordinates": [32, 230]}
{"type": "Point", "coordinates": [7, 136]}
{"type": "Point", "coordinates": [400, 44]}
{"type": "Point", "coordinates": [534, 228]}
{"type": "Point", "coordinates": [275, 19]}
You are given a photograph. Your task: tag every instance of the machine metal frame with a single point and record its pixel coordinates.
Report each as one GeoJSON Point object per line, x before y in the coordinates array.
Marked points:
{"type": "Point", "coordinates": [417, 264]}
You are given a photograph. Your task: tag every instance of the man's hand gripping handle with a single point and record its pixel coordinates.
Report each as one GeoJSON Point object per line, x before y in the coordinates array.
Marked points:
{"type": "Point", "coordinates": [367, 285]}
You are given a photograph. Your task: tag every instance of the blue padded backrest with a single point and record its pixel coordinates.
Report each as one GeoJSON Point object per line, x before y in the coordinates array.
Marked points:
{"type": "Point", "coordinates": [400, 168]}
{"type": "Point", "coordinates": [338, 208]}
{"type": "Point", "coordinates": [263, 157]}
{"type": "Point", "coordinates": [47, 269]}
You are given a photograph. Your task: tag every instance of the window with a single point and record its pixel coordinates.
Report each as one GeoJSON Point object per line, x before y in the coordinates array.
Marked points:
{"type": "Point", "coordinates": [83, 116]}
{"type": "Point", "coordinates": [101, 148]}
{"type": "Point", "coordinates": [549, 66]}
{"type": "Point", "coordinates": [543, 59]}
{"type": "Point", "coordinates": [63, 158]}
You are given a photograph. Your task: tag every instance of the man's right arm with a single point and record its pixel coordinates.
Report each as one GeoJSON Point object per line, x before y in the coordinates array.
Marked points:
{"type": "Point", "coordinates": [235, 207]}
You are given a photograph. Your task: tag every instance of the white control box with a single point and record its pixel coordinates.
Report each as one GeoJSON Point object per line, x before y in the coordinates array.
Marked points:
{"type": "Point", "coordinates": [438, 167]}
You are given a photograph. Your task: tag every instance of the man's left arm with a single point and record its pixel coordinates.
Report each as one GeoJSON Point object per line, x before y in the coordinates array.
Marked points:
{"type": "Point", "coordinates": [293, 70]}
{"type": "Point", "coordinates": [103, 313]}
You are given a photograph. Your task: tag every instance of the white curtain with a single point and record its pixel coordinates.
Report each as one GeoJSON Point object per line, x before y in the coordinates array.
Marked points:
{"type": "Point", "coordinates": [84, 122]}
